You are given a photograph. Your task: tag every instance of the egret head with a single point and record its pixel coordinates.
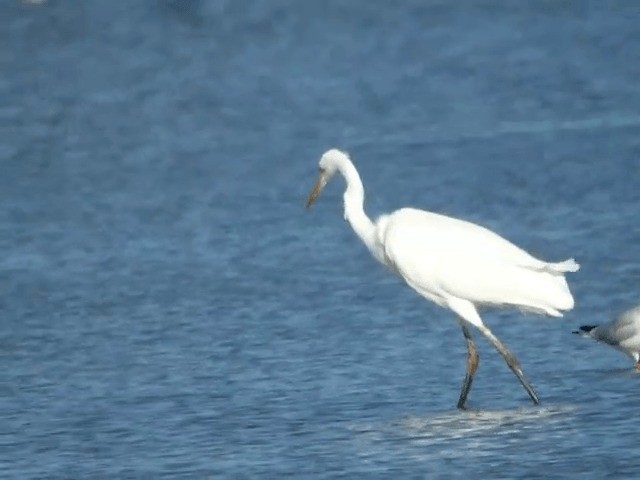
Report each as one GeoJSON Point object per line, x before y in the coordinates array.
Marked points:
{"type": "Point", "coordinates": [329, 164]}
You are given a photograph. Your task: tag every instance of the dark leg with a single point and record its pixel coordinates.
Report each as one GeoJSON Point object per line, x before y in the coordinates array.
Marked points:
{"type": "Point", "coordinates": [472, 365]}
{"type": "Point", "coordinates": [511, 360]}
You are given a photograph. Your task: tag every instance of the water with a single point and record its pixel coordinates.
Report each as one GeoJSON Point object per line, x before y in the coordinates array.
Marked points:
{"type": "Point", "coordinates": [169, 310]}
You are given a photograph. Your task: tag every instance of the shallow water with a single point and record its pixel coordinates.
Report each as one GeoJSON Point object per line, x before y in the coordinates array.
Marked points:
{"type": "Point", "coordinates": [168, 308]}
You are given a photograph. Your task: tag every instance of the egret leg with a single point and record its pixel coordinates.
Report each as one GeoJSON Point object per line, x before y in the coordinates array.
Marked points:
{"type": "Point", "coordinates": [511, 360]}
{"type": "Point", "coordinates": [472, 365]}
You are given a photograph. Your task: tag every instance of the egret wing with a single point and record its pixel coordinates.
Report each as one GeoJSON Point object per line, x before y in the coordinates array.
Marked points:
{"type": "Point", "coordinates": [445, 257]}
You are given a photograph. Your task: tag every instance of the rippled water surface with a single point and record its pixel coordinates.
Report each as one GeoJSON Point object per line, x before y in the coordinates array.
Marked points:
{"type": "Point", "coordinates": [169, 310]}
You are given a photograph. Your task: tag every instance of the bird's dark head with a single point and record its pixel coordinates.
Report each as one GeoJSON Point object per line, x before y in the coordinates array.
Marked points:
{"type": "Point", "coordinates": [329, 164]}
{"type": "Point", "coordinates": [585, 330]}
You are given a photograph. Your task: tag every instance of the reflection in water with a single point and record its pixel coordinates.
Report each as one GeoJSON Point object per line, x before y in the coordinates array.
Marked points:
{"type": "Point", "coordinates": [453, 425]}
{"type": "Point", "coordinates": [462, 434]}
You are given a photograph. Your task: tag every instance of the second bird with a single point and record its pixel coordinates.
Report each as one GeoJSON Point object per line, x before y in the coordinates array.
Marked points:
{"type": "Point", "coordinates": [622, 333]}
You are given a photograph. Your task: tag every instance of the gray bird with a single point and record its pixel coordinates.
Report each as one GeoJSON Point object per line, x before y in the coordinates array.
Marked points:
{"type": "Point", "coordinates": [623, 333]}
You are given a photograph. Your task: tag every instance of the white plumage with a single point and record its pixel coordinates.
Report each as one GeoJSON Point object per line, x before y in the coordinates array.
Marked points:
{"type": "Point", "coordinates": [454, 263]}
{"type": "Point", "coordinates": [446, 259]}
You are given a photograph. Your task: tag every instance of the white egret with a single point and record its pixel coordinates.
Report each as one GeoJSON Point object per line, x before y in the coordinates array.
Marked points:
{"type": "Point", "coordinates": [622, 333]}
{"type": "Point", "coordinates": [454, 263]}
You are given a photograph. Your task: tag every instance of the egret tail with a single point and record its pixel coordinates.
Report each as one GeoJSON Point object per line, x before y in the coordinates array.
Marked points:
{"type": "Point", "coordinates": [562, 267]}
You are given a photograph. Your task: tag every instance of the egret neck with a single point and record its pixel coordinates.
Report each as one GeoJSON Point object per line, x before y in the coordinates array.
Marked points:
{"type": "Point", "coordinates": [354, 208]}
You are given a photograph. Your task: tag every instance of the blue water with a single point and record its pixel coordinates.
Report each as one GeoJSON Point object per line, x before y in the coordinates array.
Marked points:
{"type": "Point", "coordinates": [169, 310]}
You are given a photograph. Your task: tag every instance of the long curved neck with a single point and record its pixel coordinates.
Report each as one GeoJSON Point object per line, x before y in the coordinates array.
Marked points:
{"type": "Point", "coordinates": [354, 208]}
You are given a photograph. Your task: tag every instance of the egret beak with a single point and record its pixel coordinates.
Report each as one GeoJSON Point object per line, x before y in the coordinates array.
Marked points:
{"type": "Point", "coordinates": [320, 184]}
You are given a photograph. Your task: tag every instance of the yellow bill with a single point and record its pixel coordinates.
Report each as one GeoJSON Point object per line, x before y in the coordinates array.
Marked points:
{"type": "Point", "coordinates": [320, 184]}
